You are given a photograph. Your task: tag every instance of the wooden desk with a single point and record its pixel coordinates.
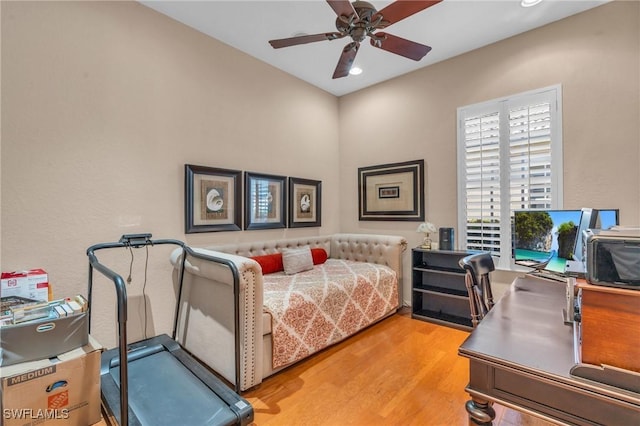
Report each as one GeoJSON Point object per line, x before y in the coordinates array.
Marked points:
{"type": "Point", "coordinates": [521, 355]}
{"type": "Point", "coordinates": [610, 326]}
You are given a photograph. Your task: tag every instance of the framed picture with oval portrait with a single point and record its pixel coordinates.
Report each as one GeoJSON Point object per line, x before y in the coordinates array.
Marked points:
{"type": "Point", "coordinates": [213, 199]}
{"type": "Point", "coordinates": [305, 202]}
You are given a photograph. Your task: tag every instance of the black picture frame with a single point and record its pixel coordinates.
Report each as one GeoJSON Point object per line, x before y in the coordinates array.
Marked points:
{"type": "Point", "coordinates": [392, 191]}
{"type": "Point", "coordinates": [265, 201]}
{"type": "Point", "coordinates": [213, 199]}
{"type": "Point", "coordinates": [305, 202]}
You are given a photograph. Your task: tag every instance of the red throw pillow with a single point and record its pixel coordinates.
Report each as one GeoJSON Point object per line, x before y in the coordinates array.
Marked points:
{"type": "Point", "coordinates": [270, 263]}
{"type": "Point", "coordinates": [319, 255]}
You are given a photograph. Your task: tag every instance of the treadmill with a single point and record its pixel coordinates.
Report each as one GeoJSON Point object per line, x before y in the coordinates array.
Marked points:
{"type": "Point", "coordinates": [161, 383]}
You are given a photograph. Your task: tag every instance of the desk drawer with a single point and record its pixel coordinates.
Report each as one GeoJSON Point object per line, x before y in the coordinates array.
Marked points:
{"type": "Point", "coordinates": [558, 400]}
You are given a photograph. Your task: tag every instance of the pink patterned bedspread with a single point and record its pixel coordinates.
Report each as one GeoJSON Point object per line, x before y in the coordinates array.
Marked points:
{"type": "Point", "coordinates": [314, 309]}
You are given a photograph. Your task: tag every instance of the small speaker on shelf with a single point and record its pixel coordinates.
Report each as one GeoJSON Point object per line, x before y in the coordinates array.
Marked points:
{"type": "Point", "coordinates": [446, 239]}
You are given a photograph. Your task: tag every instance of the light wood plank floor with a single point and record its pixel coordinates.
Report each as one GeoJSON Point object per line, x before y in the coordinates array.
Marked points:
{"type": "Point", "coordinates": [398, 372]}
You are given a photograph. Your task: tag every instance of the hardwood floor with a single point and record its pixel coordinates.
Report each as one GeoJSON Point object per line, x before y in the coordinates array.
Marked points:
{"type": "Point", "coordinates": [398, 372]}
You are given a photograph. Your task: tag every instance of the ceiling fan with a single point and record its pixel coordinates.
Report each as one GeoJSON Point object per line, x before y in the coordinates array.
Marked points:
{"type": "Point", "coordinates": [360, 20]}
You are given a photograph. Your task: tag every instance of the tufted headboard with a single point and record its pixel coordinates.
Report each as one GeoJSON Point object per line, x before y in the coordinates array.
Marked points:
{"type": "Point", "coordinates": [381, 249]}
{"type": "Point", "coordinates": [274, 246]}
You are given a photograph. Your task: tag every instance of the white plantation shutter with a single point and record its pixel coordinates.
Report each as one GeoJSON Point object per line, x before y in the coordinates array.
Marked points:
{"type": "Point", "coordinates": [509, 158]}
{"type": "Point", "coordinates": [482, 189]}
{"type": "Point", "coordinates": [530, 183]}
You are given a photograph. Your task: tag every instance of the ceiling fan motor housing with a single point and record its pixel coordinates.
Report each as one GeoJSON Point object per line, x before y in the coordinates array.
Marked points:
{"type": "Point", "coordinates": [360, 26]}
{"type": "Point", "coordinates": [365, 10]}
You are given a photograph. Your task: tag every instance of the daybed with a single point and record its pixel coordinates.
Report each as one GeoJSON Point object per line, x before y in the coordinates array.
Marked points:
{"type": "Point", "coordinates": [359, 284]}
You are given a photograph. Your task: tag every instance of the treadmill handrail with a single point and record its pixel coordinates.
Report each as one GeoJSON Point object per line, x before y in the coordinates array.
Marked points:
{"type": "Point", "coordinates": [121, 289]}
{"type": "Point", "coordinates": [121, 294]}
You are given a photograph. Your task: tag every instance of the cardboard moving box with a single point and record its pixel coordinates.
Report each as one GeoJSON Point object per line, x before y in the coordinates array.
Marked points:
{"type": "Point", "coordinates": [64, 390]}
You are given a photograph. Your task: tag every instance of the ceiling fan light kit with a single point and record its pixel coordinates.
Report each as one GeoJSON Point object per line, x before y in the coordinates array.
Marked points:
{"type": "Point", "coordinates": [360, 20]}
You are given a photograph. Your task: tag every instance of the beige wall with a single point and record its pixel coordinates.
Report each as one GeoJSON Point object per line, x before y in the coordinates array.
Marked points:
{"type": "Point", "coordinates": [595, 56]}
{"type": "Point", "coordinates": [104, 103]}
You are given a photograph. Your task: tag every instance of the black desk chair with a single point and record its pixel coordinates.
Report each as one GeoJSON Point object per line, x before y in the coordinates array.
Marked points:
{"type": "Point", "coordinates": [477, 268]}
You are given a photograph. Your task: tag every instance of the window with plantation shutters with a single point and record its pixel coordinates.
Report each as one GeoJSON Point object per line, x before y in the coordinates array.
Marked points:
{"type": "Point", "coordinates": [509, 158]}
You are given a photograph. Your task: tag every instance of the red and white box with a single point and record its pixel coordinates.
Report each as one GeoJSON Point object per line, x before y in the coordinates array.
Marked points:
{"type": "Point", "coordinates": [31, 284]}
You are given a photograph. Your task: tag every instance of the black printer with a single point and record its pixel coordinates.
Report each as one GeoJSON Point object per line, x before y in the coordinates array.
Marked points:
{"type": "Point", "coordinates": [612, 257]}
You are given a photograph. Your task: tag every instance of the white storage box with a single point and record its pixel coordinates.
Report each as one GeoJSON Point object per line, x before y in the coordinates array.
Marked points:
{"type": "Point", "coordinates": [31, 284]}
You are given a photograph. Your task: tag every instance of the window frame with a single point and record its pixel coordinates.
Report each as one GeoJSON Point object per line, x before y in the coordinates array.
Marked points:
{"type": "Point", "coordinates": [552, 94]}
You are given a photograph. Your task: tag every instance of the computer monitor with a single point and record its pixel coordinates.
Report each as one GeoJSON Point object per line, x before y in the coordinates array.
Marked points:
{"type": "Point", "coordinates": [594, 219]}
{"type": "Point", "coordinates": [545, 239]}
{"type": "Point", "coordinates": [606, 218]}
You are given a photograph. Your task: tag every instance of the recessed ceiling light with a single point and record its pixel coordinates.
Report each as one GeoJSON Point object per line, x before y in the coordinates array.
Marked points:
{"type": "Point", "coordinates": [355, 71]}
{"type": "Point", "coordinates": [529, 3]}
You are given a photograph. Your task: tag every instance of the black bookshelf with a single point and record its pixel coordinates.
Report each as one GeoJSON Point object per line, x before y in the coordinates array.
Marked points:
{"type": "Point", "coordinates": [439, 294]}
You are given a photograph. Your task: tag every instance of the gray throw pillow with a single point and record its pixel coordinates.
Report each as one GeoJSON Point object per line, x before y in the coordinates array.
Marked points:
{"type": "Point", "coordinates": [297, 260]}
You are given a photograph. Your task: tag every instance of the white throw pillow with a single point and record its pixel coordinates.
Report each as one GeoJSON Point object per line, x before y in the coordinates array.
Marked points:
{"type": "Point", "coordinates": [297, 260]}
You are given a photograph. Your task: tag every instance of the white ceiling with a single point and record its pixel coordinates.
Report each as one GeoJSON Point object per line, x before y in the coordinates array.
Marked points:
{"type": "Point", "coordinates": [451, 28]}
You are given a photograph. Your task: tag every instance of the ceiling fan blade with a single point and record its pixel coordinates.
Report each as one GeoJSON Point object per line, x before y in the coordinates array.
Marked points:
{"type": "Point", "coordinates": [401, 9]}
{"type": "Point", "coordinates": [400, 46]}
{"type": "Point", "coordinates": [346, 60]}
{"type": "Point", "coordinates": [342, 8]}
{"type": "Point", "coordinates": [294, 41]}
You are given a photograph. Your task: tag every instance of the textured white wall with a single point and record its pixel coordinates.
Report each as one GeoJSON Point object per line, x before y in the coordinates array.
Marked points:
{"type": "Point", "coordinates": [102, 105]}
{"type": "Point", "coordinates": [594, 55]}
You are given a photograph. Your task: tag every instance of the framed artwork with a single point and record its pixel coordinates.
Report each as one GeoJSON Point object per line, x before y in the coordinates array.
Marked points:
{"type": "Point", "coordinates": [304, 202]}
{"type": "Point", "coordinates": [392, 192]}
{"type": "Point", "coordinates": [265, 201]}
{"type": "Point", "coordinates": [213, 199]}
